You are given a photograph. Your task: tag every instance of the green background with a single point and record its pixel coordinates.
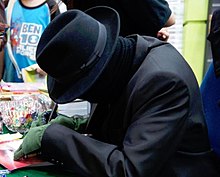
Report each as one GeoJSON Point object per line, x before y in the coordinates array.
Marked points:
{"type": "Point", "coordinates": [194, 34]}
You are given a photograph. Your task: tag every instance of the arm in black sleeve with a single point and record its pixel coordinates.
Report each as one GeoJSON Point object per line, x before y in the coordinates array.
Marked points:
{"type": "Point", "coordinates": [151, 139]}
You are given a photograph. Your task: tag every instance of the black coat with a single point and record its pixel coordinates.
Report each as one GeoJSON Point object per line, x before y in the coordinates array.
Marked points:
{"type": "Point", "coordinates": [214, 38]}
{"type": "Point", "coordinates": [156, 127]}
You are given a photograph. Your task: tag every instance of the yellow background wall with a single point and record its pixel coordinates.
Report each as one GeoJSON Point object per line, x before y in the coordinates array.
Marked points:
{"type": "Point", "coordinates": [194, 34]}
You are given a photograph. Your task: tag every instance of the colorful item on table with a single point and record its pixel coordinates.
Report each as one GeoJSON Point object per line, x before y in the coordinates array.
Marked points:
{"type": "Point", "coordinates": [20, 88]}
{"type": "Point", "coordinates": [18, 114]}
{"type": "Point", "coordinates": [7, 150]}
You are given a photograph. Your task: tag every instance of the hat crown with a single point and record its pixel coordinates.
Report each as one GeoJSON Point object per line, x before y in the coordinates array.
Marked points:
{"type": "Point", "coordinates": [76, 45]}
{"type": "Point", "coordinates": [75, 48]}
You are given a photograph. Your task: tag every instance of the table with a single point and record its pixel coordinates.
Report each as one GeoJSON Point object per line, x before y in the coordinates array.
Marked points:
{"type": "Point", "coordinates": [49, 171]}
{"type": "Point", "coordinates": [40, 171]}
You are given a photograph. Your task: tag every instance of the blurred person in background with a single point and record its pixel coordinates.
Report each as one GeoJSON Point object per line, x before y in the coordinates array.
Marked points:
{"type": "Point", "coordinates": [144, 17]}
{"type": "Point", "coordinates": [3, 37]}
{"type": "Point", "coordinates": [27, 20]}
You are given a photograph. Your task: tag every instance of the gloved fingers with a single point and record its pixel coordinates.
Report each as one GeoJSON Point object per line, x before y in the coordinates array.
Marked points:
{"type": "Point", "coordinates": [31, 141]}
{"type": "Point", "coordinates": [41, 119]}
{"type": "Point", "coordinates": [65, 121]}
{"type": "Point", "coordinates": [34, 123]}
{"type": "Point", "coordinates": [61, 119]}
{"type": "Point", "coordinates": [18, 153]}
{"type": "Point", "coordinates": [80, 122]}
{"type": "Point", "coordinates": [76, 122]}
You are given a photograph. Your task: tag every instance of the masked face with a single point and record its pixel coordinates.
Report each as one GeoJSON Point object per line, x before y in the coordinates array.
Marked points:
{"type": "Point", "coordinates": [101, 91]}
{"type": "Point", "coordinates": [116, 75]}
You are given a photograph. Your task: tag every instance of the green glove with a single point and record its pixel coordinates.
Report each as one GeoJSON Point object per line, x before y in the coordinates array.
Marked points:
{"type": "Point", "coordinates": [31, 141]}
{"type": "Point", "coordinates": [77, 122]}
{"type": "Point", "coordinates": [42, 118]}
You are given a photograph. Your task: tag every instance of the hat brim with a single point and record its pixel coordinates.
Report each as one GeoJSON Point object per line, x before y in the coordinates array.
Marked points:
{"type": "Point", "coordinates": [63, 93]}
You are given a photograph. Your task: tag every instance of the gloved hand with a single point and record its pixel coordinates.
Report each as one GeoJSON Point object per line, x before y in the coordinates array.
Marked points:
{"type": "Point", "coordinates": [42, 119]}
{"type": "Point", "coordinates": [76, 122]}
{"type": "Point", "coordinates": [31, 141]}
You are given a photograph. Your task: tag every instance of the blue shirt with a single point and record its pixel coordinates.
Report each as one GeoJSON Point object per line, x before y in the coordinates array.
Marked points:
{"type": "Point", "coordinates": [26, 28]}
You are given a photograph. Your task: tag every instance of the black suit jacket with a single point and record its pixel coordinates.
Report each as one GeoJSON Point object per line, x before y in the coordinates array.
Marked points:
{"type": "Point", "coordinates": [155, 128]}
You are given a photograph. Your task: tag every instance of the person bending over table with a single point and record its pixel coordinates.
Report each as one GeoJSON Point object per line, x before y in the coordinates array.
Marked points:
{"type": "Point", "coordinates": [148, 120]}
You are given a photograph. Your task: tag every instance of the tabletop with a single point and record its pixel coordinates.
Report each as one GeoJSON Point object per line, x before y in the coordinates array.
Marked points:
{"type": "Point", "coordinates": [48, 171]}
{"type": "Point", "coordinates": [38, 171]}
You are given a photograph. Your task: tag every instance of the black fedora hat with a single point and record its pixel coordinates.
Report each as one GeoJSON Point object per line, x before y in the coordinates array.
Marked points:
{"type": "Point", "coordinates": [75, 48]}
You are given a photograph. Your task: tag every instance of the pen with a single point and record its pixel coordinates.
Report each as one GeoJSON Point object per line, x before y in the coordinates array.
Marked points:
{"type": "Point", "coordinates": [53, 112]}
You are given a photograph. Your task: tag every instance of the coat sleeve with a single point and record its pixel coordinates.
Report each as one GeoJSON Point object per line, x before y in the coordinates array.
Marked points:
{"type": "Point", "coordinates": [151, 139]}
